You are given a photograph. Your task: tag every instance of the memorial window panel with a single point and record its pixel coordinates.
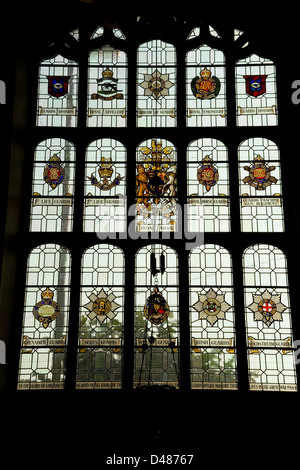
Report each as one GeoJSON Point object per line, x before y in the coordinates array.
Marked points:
{"type": "Point", "coordinates": [205, 87]}
{"type": "Point", "coordinates": [156, 323]}
{"type": "Point", "coordinates": [208, 186]}
{"type": "Point", "coordinates": [268, 320]}
{"type": "Point", "coordinates": [261, 201]}
{"type": "Point", "coordinates": [107, 88]}
{"type": "Point", "coordinates": [53, 186]}
{"type": "Point", "coordinates": [105, 187]}
{"type": "Point", "coordinates": [101, 317]}
{"type": "Point", "coordinates": [57, 99]}
{"type": "Point", "coordinates": [256, 93]}
{"type": "Point", "coordinates": [212, 319]}
{"type": "Point", "coordinates": [45, 318]}
{"type": "Point", "coordinates": [156, 186]}
{"type": "Point", "coordinates": [156, 84]}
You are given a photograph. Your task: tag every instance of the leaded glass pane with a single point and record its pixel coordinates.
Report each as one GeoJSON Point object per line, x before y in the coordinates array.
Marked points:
{"type": "Point", "coordinates": [156, 186]}
{"type": "Point", "coordinates": [105, 187]}
{"type": "Point", "coordinates": [212, 322]}
{"type": "Point", "coordinates": [100, 337]}
{"type": "Point", "coordinates": [156, 84]}
{"type": "Point", "coordinates": [208, 186]}
{"type": "Point", "coordinates": [256, 94]}
{"type": "Point", "coordinates": [53, 186]}
{"type": "Point", "coordinates": [57, 100]}
{"type": "Point", "coordinates": [205, 87]}
{"type": "Point", "coordinates": [156, 317]}
{"type": "Point", "coordinates": [268, 319]}
{"type": "Point", "coordinates": [107, 88]}
{"type": "Point", "coordinates": [260, 186]}
{"type": "Point", "coordinates": [45, 318]}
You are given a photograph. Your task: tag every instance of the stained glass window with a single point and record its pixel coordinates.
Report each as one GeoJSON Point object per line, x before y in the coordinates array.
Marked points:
{"type": "Point", "coordinates": [57, 101]}
{"type": "Point", "coordinates": [268, 319]}
{"type": "Point", "coordinates": [156, 186]}
{"type": "Point", "coordinates": [256, 94]}
{"type": "Point", "coordinates": [205, 87]}
{"type": "Point", "coordinates": [156, 84]}
{"type": "Point", "coordinates": [260, 186]}
{"type": "Point", "coordinates": [156, 317]}
{"type": "Point", "coordinates": [105, 187]}
{"type": "Point", "coordinates": [212, 322]}
{"type": "Point", "coordinates": [45, 318]}
{"type": "Point", "coordinates": [100, 354]}
{"type": "Point", "coordinates": [107, 88]}
{"type": "Point", "coordinates": [53, 186]}
{"type": "Point", "coordinates": [208, 186]}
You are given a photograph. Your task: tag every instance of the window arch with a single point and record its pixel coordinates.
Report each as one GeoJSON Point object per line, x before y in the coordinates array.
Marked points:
{"type": "Point", "coordinates": [205, 87]}
{"type": "Point", "coordinates": [101, 318]}
{"type": "Point", "coordinates": [45, 318]}
{"type": "Point", "coordinates": [156, 322]}
{"type": "Point", "coordinates": [105, 187]}
{"type": "Point", "coordinates": [53, 186]}
{"type": "Point", "coordinates": [260, 186]}
{"type": "Point", "coordinates": [107, 87]}
{"type": "Point", "coordinates": [256, 93]}
{"type": "Point", "coordinates": [208, 186]}
{"type": "Point", "coordinates": [212, 322]}
{"type": "Point", "coordinates": [268, 319]}
{"type": "Point", "coordinates": [156, 84]}
{"type": "Point", "coordinates": [57, 101]}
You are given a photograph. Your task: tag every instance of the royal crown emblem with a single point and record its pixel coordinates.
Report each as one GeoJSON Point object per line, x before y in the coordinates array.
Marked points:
{"type": "Point", "coordinates": [205, 86]}
{"type": "Point", "coordinates": [259, 174]}
{"type": "Point", "coordinates": [58, 86]}
{"type": "Point", "coordinates": [255, 85]}
{"type": "Point", "coordinates": [107, 87]}
{"type": "Point", "coordinates": [54, 172]}
{"type": "Point", "coordinates": [207, 173]}
{"type": "Point", "coordinates": [105, 171]}
{"type": "Point", "coordinates": [46, 311]}
{"type": "Point", "coordinates": [156, 308]}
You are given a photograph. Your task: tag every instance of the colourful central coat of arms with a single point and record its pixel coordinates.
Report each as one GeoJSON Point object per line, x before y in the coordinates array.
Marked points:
{"type": "Point", "coordinates": [105, 172]}
{"type": "Point", "coordinates": [207, 173]}
{"type": "Point", "coordinates": [255, 85]}
{"type": "Point", "coordinates": [57, 86]}
{"type": "Point", "coordinates": [54, 173]}
{"type": "Point", "coordinates": [107, 87]}
{"type": "Point", "coordinates": [206, 86]}
{"type": "Point", "coordinates": [46, 310]}
{"type": "Point", "coordinates": [259, 174]}
{"type": "Point", "coordinates": [156, 309]}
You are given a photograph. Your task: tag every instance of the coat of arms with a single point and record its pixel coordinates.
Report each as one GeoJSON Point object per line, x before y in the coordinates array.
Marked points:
{"type": "Point", "coordinates": [102, 306]}
{"type": "Point", "coordinates": [259, 174]}
{"type": "Point", "coordinates": [205, 87]}
{"type": "Point", "coordinates": [255, 85]}
{"type": "Point", "coordinates": [156, 308]}
{"type": "Point", "coordinates": [211, 306]}
{"type": "Point", "coordinates": [107, 87]}
{"type": "Point", "coordinates": [58, 86]}
{"type": "Point", "coordinates": [207, 173]}
{"type": "Point", "coordinates": [267, 307]}
{"type": "Point", "coordinates": [105, 171]}
{"type": "Point", "coordinates": [46, 310]}
{"type": "Point", "coordinates": [54, 172]}
{"type": "Point", "coordinates": [156, 85]}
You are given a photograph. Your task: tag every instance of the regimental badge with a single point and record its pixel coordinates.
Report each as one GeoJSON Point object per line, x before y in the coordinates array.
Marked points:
{"type": "Point", "coordinates": [107, 87]}
{"type": "Point", "coordinates": [46, 310]}
{"type": "Point", "coordinates": [207, 173]}
{"type": "Point", "coordinates": [102, 306]}
{"type": "Point", "coordinates": [211, 306]}
{"type": "Point", "coordinates": [156, 85]}
{"type": "Point", "coordinates": [156, 308]}
{"type": "Point", "coordinates": [58, 86]}
{"type": "Point", "coordinates": [54, 172]}
{"type": "Point", "coordinates": [259, 174]}
{"type": "Point", "coordinates": [105, 171]}
{"type": "Point", "coordinates": [267, 307]}
{"type": "Point", "coordinates": [205, 87]}
{"type": "Point", "coordinates": [255, 85]}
